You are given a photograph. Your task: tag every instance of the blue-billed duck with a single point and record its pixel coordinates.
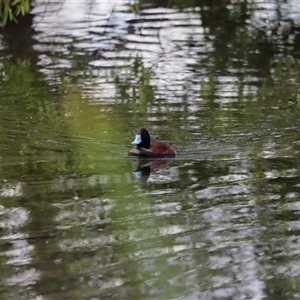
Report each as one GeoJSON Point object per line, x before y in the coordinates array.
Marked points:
{"type": "Point", "coordinates": [145, 147]}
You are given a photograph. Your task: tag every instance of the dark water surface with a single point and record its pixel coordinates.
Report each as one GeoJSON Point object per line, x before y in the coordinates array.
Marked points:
{"type": "Point", "coordinates": [79, 219]}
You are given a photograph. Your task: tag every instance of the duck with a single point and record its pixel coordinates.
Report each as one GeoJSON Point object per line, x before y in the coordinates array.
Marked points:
{"type": "Point", "coordinates": [152, 149]}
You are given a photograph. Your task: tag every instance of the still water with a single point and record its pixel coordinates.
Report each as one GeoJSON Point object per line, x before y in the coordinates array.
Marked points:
{"type": "Point", "coordinates": [80, 219]}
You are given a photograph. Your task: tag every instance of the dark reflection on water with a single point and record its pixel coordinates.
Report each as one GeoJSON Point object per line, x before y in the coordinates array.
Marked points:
{"type": "Point", "coordinates": [142, 167]}
{"type": "Point", "coordinates": [80, 219]}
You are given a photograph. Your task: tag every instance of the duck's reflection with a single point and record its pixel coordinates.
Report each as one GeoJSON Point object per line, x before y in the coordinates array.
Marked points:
{"type": "Point", "coordinates": [143, 167]}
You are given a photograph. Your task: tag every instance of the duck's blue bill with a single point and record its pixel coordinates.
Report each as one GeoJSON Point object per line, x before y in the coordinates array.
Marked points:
{"type": "Point", "coordinates": [139, 174]}
{"type": "Point", "coordinates": [137, 140]}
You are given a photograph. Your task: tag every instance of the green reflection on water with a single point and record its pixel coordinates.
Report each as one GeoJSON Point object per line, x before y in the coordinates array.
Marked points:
{"type": "Point", "coordinates": [70, 159]}
{"type": "Point", "coordinates": [32, 132]}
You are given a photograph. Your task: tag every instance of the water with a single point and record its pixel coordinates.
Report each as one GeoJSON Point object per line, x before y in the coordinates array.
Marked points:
{"type": "Point", "coordinates": [80, 219]}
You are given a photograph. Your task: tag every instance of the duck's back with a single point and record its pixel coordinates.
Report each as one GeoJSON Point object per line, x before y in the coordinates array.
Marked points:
{"type": "Point", "coordinates": [162, 148]}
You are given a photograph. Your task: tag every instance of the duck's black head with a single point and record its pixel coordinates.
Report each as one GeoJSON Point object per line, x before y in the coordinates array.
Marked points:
{"type": "Point", "coordinates": [142, 138]}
